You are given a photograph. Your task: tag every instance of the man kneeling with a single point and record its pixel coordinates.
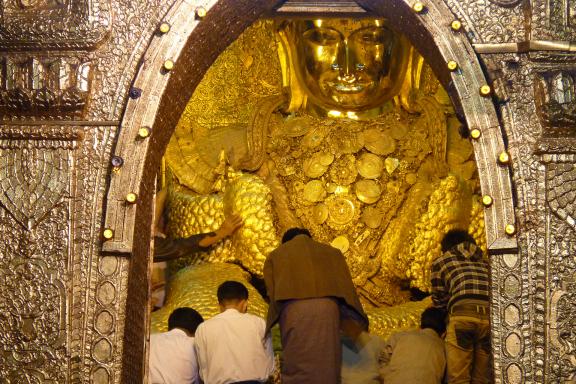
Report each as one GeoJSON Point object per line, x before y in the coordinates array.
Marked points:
{"type": "Point", "coordinates": [417, 356]}
{"type": "Point", "coordinates": [231, 346]}
{"type": "Point", "coordinates": [172, 355]}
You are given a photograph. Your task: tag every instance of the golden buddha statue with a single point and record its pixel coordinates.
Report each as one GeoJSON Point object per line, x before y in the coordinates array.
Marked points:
{"type": "Point", "coordinates": [348, 134]}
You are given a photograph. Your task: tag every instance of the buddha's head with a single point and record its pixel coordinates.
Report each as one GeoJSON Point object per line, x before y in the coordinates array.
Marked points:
{"type": "Point", "coordinates": [343, 65]}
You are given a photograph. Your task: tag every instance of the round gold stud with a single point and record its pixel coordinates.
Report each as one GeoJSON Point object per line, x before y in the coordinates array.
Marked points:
{"type": "Point", "coordinates": [487, 200]}
{"type": "Point", "coordinates": [452, 65]}
{"type": "Point", "coordinates": [510, 229]}
{"type": "Point", "coordinates": [418, 7]}
{"type": "Point", "coordinates": [201, 12]}
{"type": "Point", "coordinates": [456, 25]}
{"type": "Point", "coordinates": [168, 65]}
{"type": "Point", "coordinates": [108, 233]}
{"type": "Point", "coordinates": [485, 90]}
{"type": "Point", "coordinates": [504, 158]}
{"type": "Point", "coordinates": [144, 132]}
{"type": "Point", "coordinates": [131, 198]}
{"type": "Point", "coordinates": [475, 133]}
{"type": "Point", "coordinates": [164, 28]}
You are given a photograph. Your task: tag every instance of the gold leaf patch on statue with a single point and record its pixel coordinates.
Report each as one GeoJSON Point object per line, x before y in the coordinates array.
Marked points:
{"type": "Point", "coordinates": [341, 243]}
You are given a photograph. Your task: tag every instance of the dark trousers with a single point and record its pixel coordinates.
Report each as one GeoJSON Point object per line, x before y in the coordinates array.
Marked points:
{"type": "Point", "coordinates": [310, 330]}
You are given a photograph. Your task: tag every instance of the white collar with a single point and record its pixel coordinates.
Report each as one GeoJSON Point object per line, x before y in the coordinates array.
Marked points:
{"type": "Point", "coordinates": [178, 331]}
{"type": "Point", "coordinates": [231, 312]}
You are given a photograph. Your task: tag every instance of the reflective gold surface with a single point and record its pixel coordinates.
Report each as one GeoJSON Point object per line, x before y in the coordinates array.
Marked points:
{"type": "Point", "coordinates": [73, 313]}
{"type": "Point", "coordinates": [382, 186]}
{"type": "Point", "coordinates": [344, 65]}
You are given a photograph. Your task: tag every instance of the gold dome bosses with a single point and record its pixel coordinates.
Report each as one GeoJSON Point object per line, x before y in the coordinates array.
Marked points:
{"type": "Point", "coordinates": [144, 132]}
{"type": "Point", "coordinates": [341, 243]}
{"type": "Point", "coordinates": [378, 142]}
{"type": "Point", "coordinates": [372, 217]}
{"type": "Point", "coordinates": [316, 165]}
{"type": "Point", "coordinates": [475, 133]}
{"type": "Point", "coordinates": [168, 65]}
{"type": "Point", "coordinates": [131, 198]}
{"type": "Point", "coordinates": [201, 12]}
{"type": "Point", "coordinates": [456, 25]}
{"type": "Point", "coordinates": [452, 65]}
{"type": "Point", "coordinates": [343, 171]}
{"type": "Point", "coordinates": [391, 164]}
{"type": "Point", "coordinates": [368, 191]}
{"type": "Point", "coordinates": [485, 90]}
{"type": "Point", "coordinates": [487, 200]}
{"type": "Point", "coordinates": [341, 211]}
{"type": "Point", "coordinates": [418, 7]}
{"type": "Point", "coordinates": [296, 126]}
{"type": "Point", "coordinates": [504, 158]}
{"type": "Point", "coordinates": [369, 166]}
{"type": "Point", "coordinates": [108, 233]}
{"type": "Point", "coordinates": [320, 213]}
{"type": "Point", "coordinates": [510, 229]}
{"type": "Point", "coordinates": [314, 191]}
{"type": "Point", "coordinates": [164, 28]}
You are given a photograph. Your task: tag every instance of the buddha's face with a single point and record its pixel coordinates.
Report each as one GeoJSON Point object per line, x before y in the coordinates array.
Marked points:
{"type": "Point", "coordinates": [347, 64]}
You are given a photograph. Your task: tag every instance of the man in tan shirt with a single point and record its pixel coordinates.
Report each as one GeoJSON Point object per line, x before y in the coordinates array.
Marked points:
{"type": "Point", "coordinates": [417, 356]}
{"type": "Point", "coordinates": [310, 288]}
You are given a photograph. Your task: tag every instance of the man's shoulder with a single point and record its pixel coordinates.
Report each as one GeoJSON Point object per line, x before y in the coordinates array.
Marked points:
{"type": "Point", "coordinates": [157, 336]}
{"type": "Point", "coordinates": [174, 333]}
{"type": "Point", "coordinates": [446, 257]}
{"type": "Point", "coordinates": [255, 318]}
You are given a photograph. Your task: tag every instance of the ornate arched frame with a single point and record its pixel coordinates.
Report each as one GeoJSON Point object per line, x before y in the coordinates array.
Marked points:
{"type": "Point", "coordinates": [159, 95]}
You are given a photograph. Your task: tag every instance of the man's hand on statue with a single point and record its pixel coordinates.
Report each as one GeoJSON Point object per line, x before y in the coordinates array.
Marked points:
{"type": "Point", "coordinates": [230, 225]}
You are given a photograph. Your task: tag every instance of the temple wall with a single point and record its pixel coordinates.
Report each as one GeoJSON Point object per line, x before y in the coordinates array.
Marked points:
{"type": "Point", "coordinates": [79, 78]}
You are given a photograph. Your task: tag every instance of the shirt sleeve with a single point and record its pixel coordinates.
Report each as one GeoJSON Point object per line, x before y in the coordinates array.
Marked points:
{"type": "Point", "coordinates": [199, 347]}
{"type": "Point", "coordinates": [169, 249]}
{"type": "Point", "coordinates": [194, 363]}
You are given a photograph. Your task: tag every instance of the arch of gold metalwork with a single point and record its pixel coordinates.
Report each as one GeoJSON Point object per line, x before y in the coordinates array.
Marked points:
{"type": "Point", "coordinates": [185, 47]}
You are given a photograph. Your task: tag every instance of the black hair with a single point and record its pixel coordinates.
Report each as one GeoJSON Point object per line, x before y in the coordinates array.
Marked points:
{"type": "Point", "coordinates": [293, 232]}
{"type": "Point", "coordinates": [185, 318]}
{"type": "Point", "coordinates": [455, 237]}
{"type": "Point", "coordinates": [232, 291]}
{"type": "Point", "coordinates": [434, 318]}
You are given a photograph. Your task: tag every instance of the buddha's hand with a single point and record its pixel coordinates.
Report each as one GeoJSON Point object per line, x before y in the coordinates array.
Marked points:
{"type": "Point", "coordinates": [229, 226]}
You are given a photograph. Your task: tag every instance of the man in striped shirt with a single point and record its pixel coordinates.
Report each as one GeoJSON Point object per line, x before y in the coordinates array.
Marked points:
{"type": "Point", "coordinates": [461, 284]}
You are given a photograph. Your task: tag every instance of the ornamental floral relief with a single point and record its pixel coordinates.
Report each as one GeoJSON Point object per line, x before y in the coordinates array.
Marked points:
{"type": "Point", "coordinates": [33, 178]}
{"type": "Point", "coordinates": [490, 21]}
{"type": "Point", "coordinates": [33, 297]}
{"type": "Point", "coordinates": [562, 311]}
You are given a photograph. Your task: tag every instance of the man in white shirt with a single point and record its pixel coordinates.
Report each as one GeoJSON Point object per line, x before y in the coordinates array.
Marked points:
{"type": "Point", "coordinates": [232, 347]}
{"type": "Point", "coordinates": [172, 354]}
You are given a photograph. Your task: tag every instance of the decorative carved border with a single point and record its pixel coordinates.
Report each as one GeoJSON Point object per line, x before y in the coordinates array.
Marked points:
{"type": "Point", "coordinates": [64, 24]}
